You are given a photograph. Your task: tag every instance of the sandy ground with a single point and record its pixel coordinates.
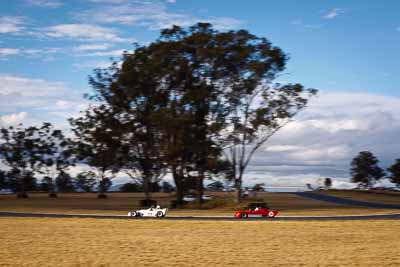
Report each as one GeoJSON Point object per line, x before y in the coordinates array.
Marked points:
{"type": "Point", "coordinates": [88, 242]}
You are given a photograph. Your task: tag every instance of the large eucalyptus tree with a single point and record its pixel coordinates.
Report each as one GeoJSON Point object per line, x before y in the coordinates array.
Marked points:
{"type": "Point", "coordinates": [225, 82]}
{"type": "Point", "coordinates": [195, 95]}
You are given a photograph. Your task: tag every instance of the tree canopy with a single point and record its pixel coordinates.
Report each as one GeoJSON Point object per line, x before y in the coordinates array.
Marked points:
{"type": "Point", "coordinates": [190, 102]}
{"type": "Point", "coordinates": [365, 170]}
{"type": "Point", "coordinates": [22, 151]}
{"type": "Point", "coordinates": [394, 171]}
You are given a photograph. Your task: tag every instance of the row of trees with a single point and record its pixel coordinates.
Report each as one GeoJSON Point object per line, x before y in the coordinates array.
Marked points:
{"type": "Point", "coordinates": [82, 182]}
{"type": "Point", "coordinates": [29, 151]}
{"type": "Point", "coordinates": [62, 183]}
{"type": "Point", "coordinates": [42, 151]}
{"type": "Point", "coordinates": [195, 103]}
{"type": "Point", "coordinates": [365, 170]}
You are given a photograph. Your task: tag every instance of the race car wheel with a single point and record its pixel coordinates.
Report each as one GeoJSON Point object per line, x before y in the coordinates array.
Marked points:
{"type": "Point", "coordinates": [244, 215]}
{"type": "Point", "coordinates": [133, 214]}
{"type": "Point", "coordinates": [159, 214]}
{"type": "Point", "coordinates": [271, 214]}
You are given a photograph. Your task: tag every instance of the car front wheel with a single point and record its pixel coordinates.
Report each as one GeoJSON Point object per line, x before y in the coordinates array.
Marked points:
{"type": "Point", "coordinates": [159, 214]}
{"type": "Point", "coordinates": [244, 215]}
{"type": "Point", "coordinates": [271, 214]}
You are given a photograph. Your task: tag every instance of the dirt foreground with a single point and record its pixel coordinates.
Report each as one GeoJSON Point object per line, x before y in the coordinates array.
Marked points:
{"type": "Point", "coordinates": [88, 242]}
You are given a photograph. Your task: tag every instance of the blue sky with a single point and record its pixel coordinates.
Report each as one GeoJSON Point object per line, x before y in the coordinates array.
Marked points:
{"type": "Point", "coordinates": [347, 49]}
{"type": "Point", "coordinates": [355, 48]}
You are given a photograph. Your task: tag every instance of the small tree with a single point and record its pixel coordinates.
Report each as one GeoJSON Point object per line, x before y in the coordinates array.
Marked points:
{"type": "Point", "coordinates": [46, 184]}
{"type": "Point", "coordinates": [395, 173]}
{"type": "Point", "coordinates": [65, 183]}
{"type": "Point", "coordinates": [328, 183]}
{"type": "Point", "coordinates": [57, 157]}
{"type": "Point", "coordinates": [30, 182]}
{"type": "Point", "coordinates": [365, 170]}
{"type": "Point", "coordinates": [85, 181]}
{"type": "Point", "coordinates": [3, 179]}
{"type": "Point", "coordinates": [21, 151]}
{"type": "Point", "coordinates": [97, 144]}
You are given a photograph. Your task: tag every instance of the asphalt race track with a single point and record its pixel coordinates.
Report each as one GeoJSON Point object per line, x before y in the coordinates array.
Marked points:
{"type": "Point", "coordinates": [204, 218]}
{"type": "Point", "coordinates": [311, 195]}
{"type": "Point", "coordinates": [344, 201]}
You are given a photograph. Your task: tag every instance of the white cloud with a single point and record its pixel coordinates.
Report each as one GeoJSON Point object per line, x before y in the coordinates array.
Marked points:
{"type": "Point", "coordinates": [9, 24]}
{"type": "Point", "coordinates": [109, 1]}
{"type": "Point", "coordinates": [95, 64]}
{"type": "Point", "coordinates": [325, 137]}
{"type": "Point", "coordinates": [8, 51]}
{"type": "Point", "coordinates": [171, 1]}
{"type": "Point", "coordinates": [84, 32]}
{"type": "Point", "coordinates": [64, 104]}
{"type": "Point", "coordinates": [89, 47]}
{"type": "Point", "coordinates": [305, 154]}
{"type": "Point", "coordinates": [222, 23]}
{"type": "Point", "coordinates": [13, 119]}
{"type": "Point", "coordinates": [333, 13]}
{"type": "Point", "coordinates": [27, 92]}
{"type": "Point", "coordinates": [43, 100]}
{"type": "Point", "coordinates": [151, 14]}
{"type": "Point", "coordinates": [282, 148]}
{"type": "Point", "coordinates": [113, 53]}
{"type": "Point", "coordinates": [41, 53]}
{"type": "Point", "coordinates": [46, 3]}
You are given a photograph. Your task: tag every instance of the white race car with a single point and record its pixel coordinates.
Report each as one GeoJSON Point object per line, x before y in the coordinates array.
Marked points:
{"type": "Point", "coordinates": [150, 212]}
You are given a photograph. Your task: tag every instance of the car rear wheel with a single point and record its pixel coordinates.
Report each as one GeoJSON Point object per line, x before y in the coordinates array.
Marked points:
{"type": "Point", "coordinates": [244, 215]}
{"type": "Point", "coordinates": [159, 214]}
{"type": "Point", "coordinates": [133, 214]}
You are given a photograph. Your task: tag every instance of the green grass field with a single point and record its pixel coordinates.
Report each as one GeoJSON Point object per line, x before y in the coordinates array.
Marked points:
{"type": "Point", "coordinates": [89, 242]}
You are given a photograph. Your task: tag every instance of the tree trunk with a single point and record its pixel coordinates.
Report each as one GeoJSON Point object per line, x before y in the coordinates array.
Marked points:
{"type": "Point", "coordinates": [102, 190]}
{"type": "Point", "coordinates": [146, 187]}
{"type": "Point", "coordinates": [21, 182]}
{"type": "Point", "coordinates": [179, 193]}
{"type": "Point", "coordinates": [238, 190]}
{"type": "Point", "coordinates": [52, 191]}
{"type": "Point", "coordinates": [200, 189]}
{"type": "Point", "coordinates": [179, 185]}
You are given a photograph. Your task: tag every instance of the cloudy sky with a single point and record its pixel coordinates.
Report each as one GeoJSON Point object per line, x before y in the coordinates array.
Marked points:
{"type": "Point", "coordinates": [349, 50]}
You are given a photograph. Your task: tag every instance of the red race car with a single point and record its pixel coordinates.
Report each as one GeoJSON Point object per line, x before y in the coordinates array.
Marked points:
{"type": "Point", "coordinates": [256, 210]}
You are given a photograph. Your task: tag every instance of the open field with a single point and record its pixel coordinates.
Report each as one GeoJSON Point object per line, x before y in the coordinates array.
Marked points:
{"type": "Point", "coordinates": [369, 196]}
{"type": "Point", "coordinates": [120, 203]}
{"type": "Point", "coordinates": [86, 242]}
